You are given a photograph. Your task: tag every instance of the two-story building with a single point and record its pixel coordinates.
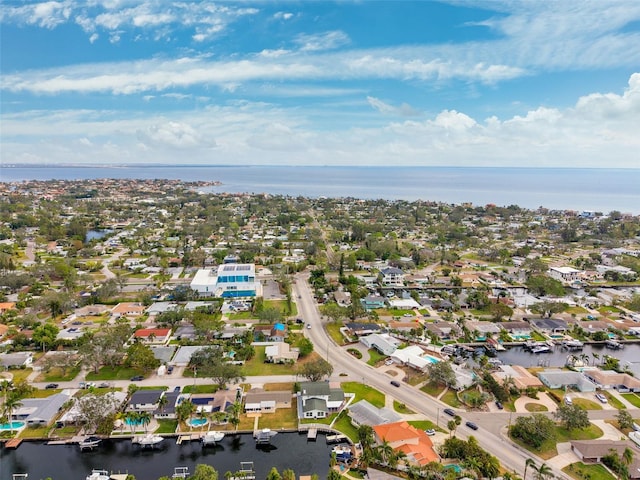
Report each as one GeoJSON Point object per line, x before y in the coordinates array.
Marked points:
{"type": "Point", "coordinates": [319, 400]}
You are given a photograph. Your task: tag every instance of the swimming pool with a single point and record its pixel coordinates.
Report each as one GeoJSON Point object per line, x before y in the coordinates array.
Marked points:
{"type": "Point", "coordinates": [431, 359]}
{"type": "Point", "coordinates": [198, 422]}
{"type": "Point", "coordinates": [131, 422]}
{"type": "Point", "coordinates": [12, 426]}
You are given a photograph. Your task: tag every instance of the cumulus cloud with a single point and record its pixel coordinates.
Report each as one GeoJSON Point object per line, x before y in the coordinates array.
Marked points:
{"type": "Point", "coordinates": [175, 135]}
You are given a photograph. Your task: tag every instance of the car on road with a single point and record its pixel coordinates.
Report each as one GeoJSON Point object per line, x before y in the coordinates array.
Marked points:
{"type": "Point", "coordinates": [601, 397]}
{"type": "Point", "coordinates": [471, 425]}
{"type": "Point", "coordinates": [51, 386]}
{"type": "Point", "coordinates": [430, 432]}
{"type": "Point", "coordinates": [449, 412]}
{"type": "Point", "coordinates": [308, 325]}
{"type": "Point", "coordinates": [104, 385]}
{"type": "Point", "coordinates": [137, 378]}
{"type": "Point", "coordinates": [499, 405]}
{"type": "Point", "coordinates": [407, 315]}
{"type": "Point", "coordinates": [395, 383]}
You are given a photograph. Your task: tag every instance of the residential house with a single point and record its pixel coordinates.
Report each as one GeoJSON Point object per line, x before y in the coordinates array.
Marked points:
{"type": "Point", "coordinates": [517, 329]}
{"type": "Point", "coordinates": [373, 302]}
{"type": "Point", "coordinates": [412, 356]}
{"type": "Point", "coordinates": [6, 306]}
{"type": "Point", "coordinates": [481, 329]}
{"type": "Point", "coordinates": [563, 379]}
{"type": "Point", "coordinates": [213, 402]}
{"type": "Point", "coordinates": [363, 413]}
{"type": "Point", "coordinates": [444, 331]}
{"type": "Point", "coordinates": [343, 299]}
{"type": "Point", "coordinates": [128, 309]}
{"type": "Point", "coordinates": [593, 326]}
{"type": "Point", "coordinates": [272, 333]}
{"type": "Point", "coordinates": [549, 326]}
{"type": "Point", "coordinates": [360, 329]}
{"type": "Point", "coordinates": [183, 355]}
{"type": "Point", "coordinates": [382, 342]}
{"type": "Point", "coordinates": [281, 352]}
{"type": "Point", "coordinates": [391, 277]}
{"type": "Point", "coordinates": [319, 399]}
{"type": "Point", "coordinates": [167, 407]}
{"type": "Point", "coordinates": [40, 411]}
{"type": "Point", "coordinates": [565, 274]}
{"type": "Point", "coordinates": [144, 400]}
{"type": "Point", "coordinates": [155, 336]}
{"type": "Point", "coordinates": [623, 382]}
{"type": "Point", "coordinates": [592, 451]}
{"type": "Point", "coordinates": [16, 360]}
{"type": "Point", "coordinates": [520, 376]}
{"type": "Point", "coordinates": [260, 401]}
{"type": "Point", "coordinates": [72, 415]}
{"type": "Point", "coordinates": [414, 442]}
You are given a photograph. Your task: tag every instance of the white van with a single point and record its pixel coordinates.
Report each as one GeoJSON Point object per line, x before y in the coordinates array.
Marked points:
{"type": "Point", "coordinates": [568, 401]}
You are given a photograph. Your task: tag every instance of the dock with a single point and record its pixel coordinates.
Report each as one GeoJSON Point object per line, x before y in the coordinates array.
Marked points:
{"type": "Point", "coordinates": [312, 433]}
{"type": "Point", "coordinates": [13, 443]}
{"type": "Point", "coordinates": [336, 438]}
{"type": "Point", "coordinates": [187, 438]}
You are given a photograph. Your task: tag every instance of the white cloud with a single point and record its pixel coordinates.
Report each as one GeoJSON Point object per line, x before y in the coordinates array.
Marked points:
{"type": "Point", "coordinates": [322, 41]}
{"type": "Point", "coordinates": [404, 110]}
{"type": "Point", "coordinates": [175, 135]}
{"type": "Point", "coordinates": [283, 15]}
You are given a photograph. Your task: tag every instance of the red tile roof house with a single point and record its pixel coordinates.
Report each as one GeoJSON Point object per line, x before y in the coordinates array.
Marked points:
{"type": "Point", "coordinates": [128, 309]}
{"type": "Point", "coordinates": [415, 443]}
{"type": "Point", "coordinates": [155, 336]}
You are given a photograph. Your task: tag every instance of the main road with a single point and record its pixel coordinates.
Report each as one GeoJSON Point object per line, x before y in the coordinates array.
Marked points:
{"type": "Point", "coordinates": [490, 435]}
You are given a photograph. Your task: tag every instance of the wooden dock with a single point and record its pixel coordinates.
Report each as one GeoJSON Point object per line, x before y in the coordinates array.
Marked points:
{"type": "Point", "coordinates": [13, 443]}
{"type": "Point", "coordinates": [312, 433]}
{"type": "Point", "coordinates": [187, 438]}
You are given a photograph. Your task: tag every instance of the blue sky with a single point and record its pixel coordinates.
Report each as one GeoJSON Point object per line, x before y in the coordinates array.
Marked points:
{"type": "Point", "coordinates": [457, 83]}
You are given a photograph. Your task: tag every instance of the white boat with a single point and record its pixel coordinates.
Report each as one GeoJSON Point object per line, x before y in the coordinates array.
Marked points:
{"type": "Point", "coordinates": [149, 440]}
{"type": "Point", "coordinates": [265, 435]}
{"type": "Point", "coordinates": [635, 437]}
{"type": "Point", "coordinates": [613, 344]}
{"type": "Point", "coordinates": [98, 475]}
{"type": "Point", "coordinates": [212, 437]}
{"type": "Point", "coordinates": [180, 472]}
{"type": "Point", "coordinates": [89, 443]}
{"type": "Point", "coordinates": [341, 450]}
{"type": "Point", "coordinates": [541, 349]}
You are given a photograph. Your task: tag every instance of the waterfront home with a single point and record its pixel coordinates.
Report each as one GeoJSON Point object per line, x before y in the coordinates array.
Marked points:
{"type": "Point", "coordinates": [592, 451]}
{"type": "Point", "coordinates": [517, 329]}
{"type": "Point", "coordinates": [412, 356]}
{"type": "Point", "coordinates": [549, 326]}
{"type": "Point", "coordinates": [414, 442]}
{"type": "Point", "coordinates": [465, 377]}
{"type": "Point", "coordinates": [482, 329]}
{"type": "Point", "coordinates": [281, 352]}
{"type": "Point", "coordinates": [563, 379]}
{"type": "Point", "coordinates": [157, 308]}
{"type": "Point", "coordinates": [444, 331]}
{"type": "Point", "coordinates": [622, 382]}
{"type": "Point", "coordinates": [113, 399]}
{"type": "Point", "coordinates": [260, 401]}
{"type": "Point", "coordinates": [144, 400]}
{"type": "Point", "coordinates": [219, 401]}
{"type": "Point", "coordinates": [382, 342]}
{"type": "Point", "coordinates": [319, 399]}
{"type": "Point", "coordinates": [391, 277]}
{"type": "Point", "coordinates": [593, 326]}
{"type": "Point", "coordinates": [41, 411]}
{"type": "Point", "coordinates": [167, 407]}
{"type": "Point", "coordinates": [363, 413]}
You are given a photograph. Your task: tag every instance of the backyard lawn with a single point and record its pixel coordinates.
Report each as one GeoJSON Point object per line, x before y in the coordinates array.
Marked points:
{"type": "Point", "coordinates": [580, 471]}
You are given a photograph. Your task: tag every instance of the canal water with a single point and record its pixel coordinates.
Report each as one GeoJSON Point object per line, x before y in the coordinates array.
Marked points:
{"type": "Point", "coordinates": [66, 462]}
{"type": "Point", "coordinates": [558, 356]}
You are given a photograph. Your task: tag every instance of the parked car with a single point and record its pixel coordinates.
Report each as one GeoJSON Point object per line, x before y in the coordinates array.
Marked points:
{"type": "Point", "coordinates": [104, 385]}
{"type": "Point", "coordinates": [137, 378]}
{"type": "Point", "coordinates": [308, 325]}
{"type": "Point", "coordinates": [395, 383]}
{"type": "Point", "coordinates": [430, 432]}
{"type": "Point", "coordinates": [499, 405]}
{"type": "Point", "coordinates": [601, 397]}
{"type": "Point", "coordinates": [388, 362]}
{"type": "Point", "coordinates": [449, 412]}
{"type": "Point", "coordinates": [471, 425]}
{"type": "Point", "coordinates": [568, 401]}
{"type": "Point", "coordinates": [170, 369]}
{"type": "Point", "coordinates": [51, 386]}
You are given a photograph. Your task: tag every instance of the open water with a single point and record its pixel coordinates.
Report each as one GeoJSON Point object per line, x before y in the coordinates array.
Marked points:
{"type": "Point", "coordinates": [628, 356]}
{"type": "Point", "coordinates": [66, 462]}
{"type": "Point", "coordinates": [579, 189]}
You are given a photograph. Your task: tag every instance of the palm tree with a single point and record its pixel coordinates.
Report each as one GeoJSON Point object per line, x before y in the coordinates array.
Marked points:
{"type": "Point", "coordinates": [11, 403]}
{"type": "Point", "coordinates": [132, 418]}
{"type": "Point", "coordinates": [145, 419]}
{"type": "Point", "coordinates": [385, 451]}
{"type": "Point", "coordinates": [530, 462]}
{"type": "Point", "coordinates": [365, 436]}
{"type": "Point", "coordinates": [543, 471]}
{"type": "Point", "coordinates": [235, 409]}
{"type": "Point", "coordinates": [162, 402]}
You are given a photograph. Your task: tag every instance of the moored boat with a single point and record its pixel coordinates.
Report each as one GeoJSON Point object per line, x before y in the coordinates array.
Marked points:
{"type": "Point", "coordinates": [148, 440]}
{"type": "Point", "coordinates": [212, 437]}
{"type": "Point", "coordinates": [264, 436]}
{"type": "Point", "coordinates": [89, 443]}
{"type": "Point", "coordinates": [98, 475]}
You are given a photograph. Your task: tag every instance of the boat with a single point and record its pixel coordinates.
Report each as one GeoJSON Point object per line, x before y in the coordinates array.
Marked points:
{"type": "Point", "coordinates": [148, 440]}
{"type": "Point", "coordinates": [180, 472]}
{"type": "Point", "coordinates": [613, 344]}
{"type": "Point", "coordinates": [541, 349]}
{"type": "Point", "coordinates": [572, 344]}
{"type": "Point", "coordinates": [212, 437]}
{"type": "Point", "coordinates": [98, 475]}
{"type": "Point", "coordinates": [342, 450]}
{"type": "Point", "coordinates": [89, 443]}
{"type": "Point", "coordinates": [264, 436]}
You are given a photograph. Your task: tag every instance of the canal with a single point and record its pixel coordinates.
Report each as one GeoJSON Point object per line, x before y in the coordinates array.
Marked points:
{"type": "Point", "coordinates": [66, 462]}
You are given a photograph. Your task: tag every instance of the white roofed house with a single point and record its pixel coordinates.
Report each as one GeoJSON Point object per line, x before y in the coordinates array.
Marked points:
{"type": "Point", "coordinates": [281, 352]}
{"type": "Point", "coordinates": [565, 274]}
{"type": "Point", "coordinates": [382, 342]}
{"type": "Point", "coordinates": [230, 280]}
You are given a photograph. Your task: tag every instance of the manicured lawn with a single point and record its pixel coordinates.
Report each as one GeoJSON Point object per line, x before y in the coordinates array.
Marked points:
{"type": "Point", "coordinates": [587, 404]}
{"type": "Point", "coordinates": [118, 373]}
{"type": "Point", "coordinates": [55, 375]}
{"type": "Point", "coordinates": [240, 316]}
{"type": "Point", "coordinates": [281, 418]}
{"type": "Point", "coordinates": [576, 310]}
{"type": "Point", "coordinates": [20, 374]}
{"type": "Point", "coordinates": [402, 408]}
{"type": "Point", "coordinates": [333, 329]}
{"type": "Point", "coordinates": [450, 398]}
{"type": "Point", "coordinates": [31, 432]}
{"type": "Point", "coordinates": [364, 392]}
{"type": "Point", "coordinates": [257, 366]}
{"type": "Point", "coordinates": [433, 389]}
{"type": "Point", "coordinates": [632, 398]}
{"type": "Point", "coordinates": [282, 305]}
{"type": "Point", "coordinates": [343, 424]}
{"type": "Point", "coordinates": [425, 425]}
{"type": "Point", "coordinates": [580, 471]}
{"type": "Point", "coordinates": [535, 407]}
{"type": "Point", "coordinates": [167, 426]}
{"type": "Point", "coordinates": [548, 449]}
{"type": "Point", "coordinates": [200, 389]}
{"type": "Point", "coordinates": [375, 357]}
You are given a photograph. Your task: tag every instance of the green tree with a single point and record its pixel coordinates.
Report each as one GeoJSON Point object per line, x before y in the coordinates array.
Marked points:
{"type": "Point", "coordinates": [625, 420]}
{"type": "Point", "coordinates": [140, 357]}
{"type": "Point", "coordinates": [543, 472]}
{"type": "Point", "coordinates": [533, 429]}
{"type": "Point", "coordinates": [204, 472]}
{"type": "Point", "coordinates": [572, 416]}
{"type": "Point", "coordinates": [45, 335]}
{"type": "Point", "coordinates": [210, 363]}
{"type": "Point", "coordinates": [442, 373]}
{"type": "Point", "coordinates": [305, 346]}
{"type": "Point", "coordinates": [316, 370]}
{"type": "Point", "coordinates": [334, 475]}
{"type": "Point", "coordinates": [529, 462]}
{"type": "Point", "coordinates": [274, 474]}
{"type": "Point", "coordinates": [541, 285]}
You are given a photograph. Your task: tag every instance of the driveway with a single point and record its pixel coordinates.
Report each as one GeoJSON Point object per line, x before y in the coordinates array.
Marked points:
{"type": "Point", "coordinates": [543, 399]}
